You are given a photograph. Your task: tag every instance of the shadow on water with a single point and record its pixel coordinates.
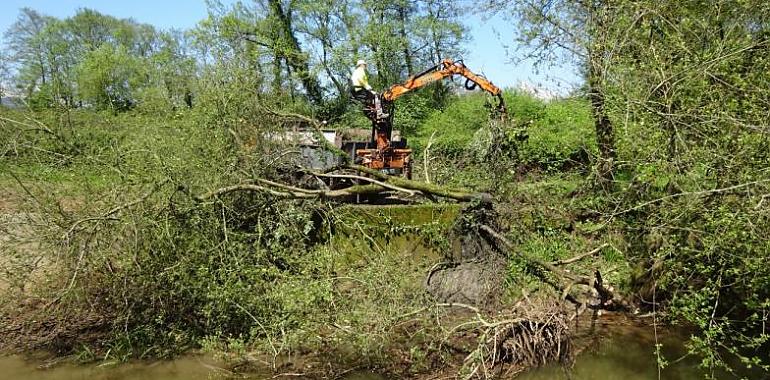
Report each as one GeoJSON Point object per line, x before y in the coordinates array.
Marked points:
{"type": "Point", "coordinates": [184, 368]}
{"type": "Point", "coordinates": [628, 353]}
{"type": "Point", "coordinates": [620, 351]}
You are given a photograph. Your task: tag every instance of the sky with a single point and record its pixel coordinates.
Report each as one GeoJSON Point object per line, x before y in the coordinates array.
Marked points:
{"type": "Point", "coordinates": [486, 50]}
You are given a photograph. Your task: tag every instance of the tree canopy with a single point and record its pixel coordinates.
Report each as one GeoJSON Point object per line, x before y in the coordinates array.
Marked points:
{"type": "Point", "coordinates": [301, 48]}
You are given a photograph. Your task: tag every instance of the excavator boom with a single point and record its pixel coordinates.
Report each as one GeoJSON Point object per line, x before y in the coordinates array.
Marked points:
{"type": "Point", "coordinates": [446, 69]}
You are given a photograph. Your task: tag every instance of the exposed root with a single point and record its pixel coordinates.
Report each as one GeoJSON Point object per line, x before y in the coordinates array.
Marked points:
{"type": "Point", "coordinates": [518, 340]}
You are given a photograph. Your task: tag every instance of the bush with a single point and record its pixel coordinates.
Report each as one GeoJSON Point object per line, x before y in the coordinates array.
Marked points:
{"type": "Point", "coordinates": [558, 130]}
{"type": "Point", "coordinates": [557, 134]}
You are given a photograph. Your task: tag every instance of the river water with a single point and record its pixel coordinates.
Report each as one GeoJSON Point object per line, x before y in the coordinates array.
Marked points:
{"type": "Point", "coordinates": [625, 353]}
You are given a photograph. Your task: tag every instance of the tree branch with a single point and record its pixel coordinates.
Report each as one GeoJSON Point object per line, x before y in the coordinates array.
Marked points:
{"type": "Point", "coordinates": [580, 257]}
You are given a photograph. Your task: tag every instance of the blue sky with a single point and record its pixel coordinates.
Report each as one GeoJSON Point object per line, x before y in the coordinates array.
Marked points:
{"type": "Point", "coordinates": [486, 49]}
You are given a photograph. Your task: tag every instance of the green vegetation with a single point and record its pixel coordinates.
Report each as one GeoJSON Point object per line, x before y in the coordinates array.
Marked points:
{"type": "Point", "coordinates": [107, 252]}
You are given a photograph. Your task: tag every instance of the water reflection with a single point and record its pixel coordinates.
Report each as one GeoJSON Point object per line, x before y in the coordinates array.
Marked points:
{"type": "Point", "coordinates": [185, 368]}
{"type": "Point", "coordinates": [624, 352]}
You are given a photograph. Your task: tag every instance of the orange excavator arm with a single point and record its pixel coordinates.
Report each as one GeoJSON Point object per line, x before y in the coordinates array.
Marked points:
{"type": "Point", "coordinates": [446, 69]}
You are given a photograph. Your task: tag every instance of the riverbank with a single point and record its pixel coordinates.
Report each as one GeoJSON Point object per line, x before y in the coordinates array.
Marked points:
{"type": "Point", "coordinates": [617, 347]}
{"type": "Point", "coordinates": [362, 301]}
{"type": "Point", "coordinates": [128, 263]}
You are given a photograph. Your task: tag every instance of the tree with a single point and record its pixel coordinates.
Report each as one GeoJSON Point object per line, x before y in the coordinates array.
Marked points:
{"type": "Point", "coordinates": [287, 46]}
{"type": "Point", "coordinates": [314, 44]}
{"type": "Point", "coordinates": [326, 24]}
{"type": "Point", "coordinates": [27, 50]}
{"type": "Point", "coordinates": [108, 76]}
{"type": "Point", "coordinates": [577, 31]}
{"type": "Point", "coordinates": [95, 59]}
{"type": "Point", "coordinates": [692, 79]}
{"type": "Point", "coordinates": [5, 72]}
{"type": "Point", "coordinates": [174, 68]}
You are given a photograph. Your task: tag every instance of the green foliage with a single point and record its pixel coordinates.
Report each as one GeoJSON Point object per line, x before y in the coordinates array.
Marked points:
{"type": "Point", "coordinates": [557, 135]}
{"type": "Point", "coordinates": [411, 112]}
{"type": "Point", "coordinates": [558, 131]}
{"type": "Point", "coordinates": [241, 272]}
{"type": "Point", "coordinates": [455, 125]}
{"type": "Point", "coordinates": [691, 98]}
{"type": "Point", "coordinates": [95, 60]}
{"type": "Point", "coordinates": [685, 87]}
{"type": "Point", "coordinates": [108, 76]}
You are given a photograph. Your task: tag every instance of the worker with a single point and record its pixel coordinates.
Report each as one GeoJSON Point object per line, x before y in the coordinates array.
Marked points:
{"type": "Point", "coordinates": [363, 91]}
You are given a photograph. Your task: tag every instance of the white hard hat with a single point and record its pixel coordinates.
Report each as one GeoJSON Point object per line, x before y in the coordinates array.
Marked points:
{"type": "Point", "coordinates": [360, 62]}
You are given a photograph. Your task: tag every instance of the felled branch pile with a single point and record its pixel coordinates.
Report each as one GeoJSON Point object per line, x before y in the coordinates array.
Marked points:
{"type": "Point", "coordinates": [367, 181]}
{"type": "Point", "coordinates": [371, 182]}
{"type": "Point", "coordinates": [563, 280]}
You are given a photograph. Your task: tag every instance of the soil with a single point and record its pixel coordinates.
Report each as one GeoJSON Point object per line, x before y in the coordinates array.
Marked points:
{"type": "Point", "coordinates": [475, 283]}
{"type": "Point", "coordinates": [474, 271]}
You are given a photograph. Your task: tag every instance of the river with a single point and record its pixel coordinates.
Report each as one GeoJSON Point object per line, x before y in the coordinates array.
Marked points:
{"type": "Point", "coordinates": [625, 352]}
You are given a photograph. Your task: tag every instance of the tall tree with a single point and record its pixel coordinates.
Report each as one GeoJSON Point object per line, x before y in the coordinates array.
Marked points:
{"type": "Point", "coordinates": [108, 77]}
{"type": "Point", "coordinates": [76, 61]}
{"type": "Point", "coordinates": [5, 72]}
{"type": "Point", "coordinates": [576, 31]}
{"type": "Point", "coordinates": [693, 79]}
{"type": "Point", "coordinates": [27, 50]}
{"type": "Point", "coordinates": [292, 52]}
{"type": "Point", "coordinates": [327, 24]}
{"type": "Point", "coordinates": [404, 11]}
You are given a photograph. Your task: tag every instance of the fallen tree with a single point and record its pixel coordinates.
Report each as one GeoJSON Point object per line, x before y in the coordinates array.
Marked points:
{"type": "Point", "coordinates": [376, 183]}
{"type": "Point", "coordinates": [563, 280]}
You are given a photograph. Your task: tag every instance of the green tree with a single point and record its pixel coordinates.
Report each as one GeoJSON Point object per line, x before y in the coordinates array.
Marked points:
{"type": "Point", "coordinates": [108, 77]}
{"type": "Point", "coordinates": [27, 50]}
{"type": "Point", "coordinates": [174, 69]}
{"type": "Point", "coordinates": [5, 73]}
{"type": "Point", "coordinates": [53, 58]}
{"type": "Point", "coordinates": [265, 36]}
{"type": "Point", "coordinates": [693, 81]}
{"type": "Point", "coordinates": [286, 45]}
{"type": "Point", "coordinates": [586, 32]}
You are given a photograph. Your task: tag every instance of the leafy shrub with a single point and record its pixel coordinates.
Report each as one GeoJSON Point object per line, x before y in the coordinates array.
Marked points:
{"type": "Point", "coordinates": [455, 125]}
{"type": "Point", "coordinates": [558, 131]}
{"type": "Point", "coordinates": [557, 134]}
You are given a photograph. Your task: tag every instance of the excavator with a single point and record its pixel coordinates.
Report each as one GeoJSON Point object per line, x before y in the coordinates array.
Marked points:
{"type": "Point", "coordinates": [394, 157]}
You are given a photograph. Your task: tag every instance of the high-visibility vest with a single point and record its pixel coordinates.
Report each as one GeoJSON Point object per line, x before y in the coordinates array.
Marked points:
{"type": "Point", "coordinates": [360, 79]}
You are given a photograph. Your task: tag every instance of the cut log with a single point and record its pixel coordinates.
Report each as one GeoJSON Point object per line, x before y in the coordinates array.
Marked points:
{"type": "Point", "coordinates": [424, 187]}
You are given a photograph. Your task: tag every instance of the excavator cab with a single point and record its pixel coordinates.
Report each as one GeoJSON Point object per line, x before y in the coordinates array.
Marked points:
{"type": "Point", "coordinates": [382, 153]}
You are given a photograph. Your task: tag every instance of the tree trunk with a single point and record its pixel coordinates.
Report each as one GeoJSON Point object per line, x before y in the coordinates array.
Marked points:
{"type": "Point", "coordinates": [605, 136]}
{"type": "Point", "coordinates": [434, 35]}
{"type": "Point", "coordinates": [277, 82]}
{"type": "Point", "coordinates": [295, 58]}
{"type": "Point", "coordinates": [402, 15]}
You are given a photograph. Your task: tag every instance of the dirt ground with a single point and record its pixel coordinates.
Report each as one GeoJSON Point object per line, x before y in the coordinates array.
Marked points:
{"type": "Point", "coordinates": [23, 260]}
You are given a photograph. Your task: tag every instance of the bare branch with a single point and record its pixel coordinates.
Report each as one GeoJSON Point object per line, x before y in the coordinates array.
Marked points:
{"type": "Point", "coordinates": [580, 257]}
